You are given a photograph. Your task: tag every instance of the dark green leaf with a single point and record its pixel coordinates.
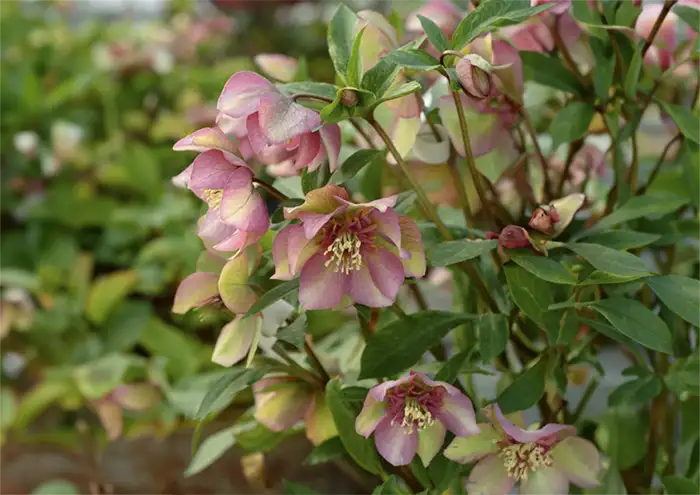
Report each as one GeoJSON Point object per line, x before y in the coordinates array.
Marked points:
{"type": "Point", "coordinates": [392, 486]}
{"type": "Point", "coordinates": [354, 64]}
{"type": "Point", "coordinates": [677, 485]}
{"type": "Point", "coordinates": [690, 161]}
{"type": "Point", "coordinates": [635, 69]}
{"type": "Point", "coordinates": [401, 344]}
{"type": "Point", "coordinates": [361, 449]}
{"type": "Point", "coordinates": [622, 435]}
{"type": "Point", "coordinates": [354, 163]}
{"type": "Point", "coordinates": [604, 68]}
{"type": "Point", "coordinates": [526, 390]}
{"type": "Point", "coordinates": [636, 322]}
{"type": "Point", "coordinates": [322, 90]}
{"type": "Point", "coordinates": [637, 391]}
{"type": "Point", "coordinates": [683, 376]}
{"type": "Point", "coordinates": [571, 123]}
{"type": "Point", "coordinates": [451, 252]}
{"type": "Point", "coordinates": [294, 333]}
{"type": "Point", "coordinates": [680, 294]}
{"type": "Point", "coordinates": [223, 391]}
{"type": "Point", "coordinates": [687, 121]}
{"type": "Point", "coordinates": [399, 92]}
{"type": "Point", "coordinates": [434, 33]}
{"type": "Point", "coordinates": [329, 450]}
{"type": "Point", "coordinates": [549, 71]}
{"type": "Point", "coordinates": [542, 267]}
{"type": "Point", "coordinates": [379, 78]}
{"type": "Point", "coordinates": [291, 488]}
{"type": "Point", "coordinates": [443, 472]}
{"type": "Point", "coordinates": [620, 263]}
{"type": "Point", "coordinates": [451, 369]}
{"type": "Point", "coordinates": [623, 239]}
{"type": "Point", "coordinates": [273, 295]}
{"type": "Point", "coordinates": [341, 33]}
{"type": "Point", "coordinates": [610, 482]}
{"type": "Point", "coordinates": [493, 335]}
{"type": "Point", "coordinates": [492, 14]}
{"type": "Point", "coordinates": [607, 330]}
{"type": "Point", "coordinates": [690, 15]}
{"type": "Point", "coordinates": [531, 294]}
{"type": "Point", "coordinates": [413, 59]}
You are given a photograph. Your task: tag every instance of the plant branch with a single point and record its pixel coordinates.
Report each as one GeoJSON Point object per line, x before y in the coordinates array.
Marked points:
{"type": "Point", "coordinates": [573, 149]}
{"type": "Point", "coordinates": [587, 394]}
{"type": "Point", "coordinates": [295, 368]}
{"type": "Point", "coordinates": [315, 362]}
{"type": "Point", "coordinates": [659, 163]}
{"type": "Point", "coordinates": [657, 25]}
{"type": "Point", "coordinates": [271, 190]}
{"type": "Point", "coordinates": [530, 127]}
{"type": "Point", "coordinates": [459, 186]}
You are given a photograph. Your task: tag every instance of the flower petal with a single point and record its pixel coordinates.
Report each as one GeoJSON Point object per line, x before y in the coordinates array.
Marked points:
{"type": "Point", "coordinates": [457, 414]}
{"type": "Point", "coordinates": [251, 216]}
{"type": "Point", "coordinates": [210, 138]}
{"type": "Point", "coordinates": [319, 421]}
{"type": "Point", "coordinates": [233, 285]}
{"type": "Point", "coordinates": [386, 270]}
{"type": "Point", "coordinates": [309, 147]}
{"type": "Point", "coordinates": [319, 286]}
{"type": "Point", "coordinates": [235, 339]}
{"type": "Point", "coordinates": [579, 460]}
{"type": "Point", "coordinates": [550, 432]}
{"type": "Point", "coordinates": [232, 126]}
{"type": "Point", "coordinates": [183, 178]}
{"type": "Point", "coordinates": [511, 77]}
{"type": "Point", "coordinates": [544, 481]}
{"type": "Point", "coordinates": [280, 248]}
{"type": "Point", "coordinates": [194, 291]}
{"type": "Point", "coordinates": [331, 137]}
{"type": "Point", "coordinates": [371, 414]}
{"type": "Point", "coordinates": [394, 444]}
{"type": "Point", "coordinates": [465, 450]}
{"type": "Point", "coordinates": [412, 246]}
{"type": "Point", "coordinates": [388, 225]}
{"type": "Point", "coordinates": [277, 66]}
{"type": "Point", "coordinates": [283, 406]}
{"type": "Point", "coordinates": [428, 149]}
{"type": "Point", "coordinates": [210, 170]}
{"type": "Point", "coordinates": [211, 229]}
{"type": "Point", "coordinates": [266, 151]}
{"type": "Point", "coordinates": [281, 119]}
{"type": "Point", "coordinates": [300, 248]}
{"type": "Point", "coordinates": [364, 291]}
{"type": "Point", "coordinates": [242, 92]}
{"type": "Point", "coordinates": [323, 200]}
{"type": "Point", "coordinates": [484, 127]}
{"type": "Point", "coordinates": [238, 240]}
{"type": "Point", "coordinates": [430, 440]}
{"type": "Point", "coordinates": [489, 477]}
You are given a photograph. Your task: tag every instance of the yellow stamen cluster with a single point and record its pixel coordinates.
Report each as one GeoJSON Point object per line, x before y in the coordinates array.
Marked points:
{"type": "Point", "coordinates": [415, 415]}
{"type": "Point", "coordinates": [520, 458]}
{"type": "Point", "coordinates": [213, 197]}
{"type": "Point", "coordinates": [345, 252]}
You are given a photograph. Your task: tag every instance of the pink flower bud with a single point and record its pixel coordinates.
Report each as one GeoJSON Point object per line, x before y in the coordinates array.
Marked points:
{"type": "Point", "coordinates": [513, 236]}
{"type": "Point", "coordinates": [475, 76]}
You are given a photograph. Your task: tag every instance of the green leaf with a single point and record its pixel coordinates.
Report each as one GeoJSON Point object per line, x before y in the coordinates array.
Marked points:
{"type": "Point", "coordinates": [361, 449]}
{"type": "Point", "coordinates": [526, 390]}
{"type": "Point", "coordinates": [636, 322]}
{"type": "Point", "coordinates": [689, 15]}
{"type": "Point", "coordinates": [211, 450]}
{"type": "Point", "coordinates": [322, 90]}
{"type": "Point", "coordinates": [124, 326]}
{"type": "Point", "coordinates": [623, 239]}
{"type": "Point", "coordinates": [392, 486]}
{"type": "Point", "coordinates": [294, 333]}
{"type": "Point", "coordinates": [57, 487]}
{"type": "Point", "coordinates": [223, 391]}
{"type": "Point", "coordinates": [399, 92]}
{"type": "Point", "coordinates": [108, 291]}
{"type": "Point", "coordinates": [549, 71]}
{"type": "Point", "coordinates": [354, 163]}
{"type": "Point", "coordinates": [610, 482]}
{"type": "Point", "coordinates": [328, 451]}
{"type": "Point", "coordinates": [354, 64]}
{"type": "Point", "coordinates": [622, 434]}
{"type": "Point", "coordinates": [542, 267]}
{"type": "Point", "coordinates": [274, 295]}
{"type": "Point", "coordinates": [452, 368]}
{"type": "Point", "coordinates": [687, 121]}
{"type": "Point", "coordinates": [412, 58]}
{"type": "Point", "coordinates": [434, 33]}
{"type": "Point", "coordinates": [492, 14]}
{"type": "Point", "coordinates": [683, 377]}
{"type": "Point", "coordinates": [531, 294]}
{"type": "Point", "coordinates": [332, 113]}
{"type": "Point", "coordinates": [291, 488]}
{"type": "Point", "coordinates": [680, 294]}
{"type": "Point", "coordinates": [401, 343]}
{"type": "Point", "coordinates": [677, 485]}
{"type": "Point", "coordinates": [689, 159]}
{"type": "Point", "coordinates": [635, 69]}
{"type": "Point", "coordinates": [451, 252]}
{"type": "Point", "coordinates": [184, 352]}
{"type": "Point", "coordinates": [341, 33]}
{"type": "Point", "coordinates": [493, 335]}
{"type": "Point", "coordinates": [637, 391]}
{"type": "Point", "coordinates": [604, 68]}
{"type": "Point", "coordinates": [608, 260]}
{"type": "Point", "coordinates": [607, 330]}
{"type": "Point", "coordinates": [99, 377]}
{"type": "Point", "coordinates": [571, 123]}
{"type": "Point", "coordinates": [379, 78]}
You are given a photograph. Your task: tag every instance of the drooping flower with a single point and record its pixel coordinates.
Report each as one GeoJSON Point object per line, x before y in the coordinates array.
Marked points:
{"type": "Point", "coordinates": [662, 49]}
{"type": "Point", "coordinates": [345, 251]}
{"type": "Point", "coordinates": [542, 461]}
{"type": "Point", "coordinates": [274, 127]}
{"type": "Point", "coordinates": [282, 401]}
{"type": "Point", "coordinates": [411, 415]}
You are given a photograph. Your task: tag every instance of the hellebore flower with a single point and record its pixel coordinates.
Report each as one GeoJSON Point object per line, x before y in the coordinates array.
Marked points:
{"type": "Point", "coordinates": [342, 249]}
{"type": "Point", "coordinates": [542, 461]}
{"type": "Point", "coordinates": [273, 127]}
{"type": "Point", "coordinates": [277, 66]}
{"type": "Point", "coordinates": [666, 40]}
{"type": "Point", "coordinates": [543, 219]}
{"type": "Point", "coordinates": [281, 402]}
{"type": "Point", "coordinates": [511, 237]}
{"type": "Point", "coordinates": [474, 76]}
{"type": "Point", "coordinates": [411, 415]}
{"type": "Point", "coordinates": [443, 13]}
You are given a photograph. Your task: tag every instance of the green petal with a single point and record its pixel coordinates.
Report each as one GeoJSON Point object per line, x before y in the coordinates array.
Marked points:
{"type": "Point", "coordinates": [430, 441]}
{"type": "Point", "coordinates": [469, 449]}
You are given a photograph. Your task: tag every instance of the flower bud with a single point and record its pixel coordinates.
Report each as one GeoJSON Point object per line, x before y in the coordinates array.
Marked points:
{"type": "Point", "coordinates": [348, 97]}
{"type": "Point", "coordinates": [543, 218]}
{"type": "Point", "coordinates": [474, 75]}
{"type": "Point", "coordinates": [513, 236]}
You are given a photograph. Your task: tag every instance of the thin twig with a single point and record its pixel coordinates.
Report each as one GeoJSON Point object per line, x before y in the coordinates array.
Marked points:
{"type": "Point", "coordinates": [587, 394]}
{"type": "Point", "coordinates": [659, 163]}
{"type": "Point", "coordinates": [657, 25]}
{"type": "Point", "coordinates": [459, 186]}
{"type": "Point", "coordinates": [530, 127]}
{"type": "Point", "coordinates": [362, 133]}
{"type": "Point", "coordinates": [573, 149]}
{"type": "Point", "coordinates": [315, 362]}
{"type": "Point", "coordinates": [271, 190]}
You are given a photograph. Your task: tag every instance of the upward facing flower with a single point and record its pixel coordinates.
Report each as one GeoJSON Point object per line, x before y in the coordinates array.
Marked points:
{"type": "Point", "coordinates": [342, 249]}
{"type": "Point", "coordinates": [412, 415]}
{"type": "Point", "coordinates": [543, 461]}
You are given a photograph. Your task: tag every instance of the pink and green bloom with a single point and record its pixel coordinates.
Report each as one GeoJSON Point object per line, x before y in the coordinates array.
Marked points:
{"type": "Point", "coordinates": [541, 461]}
{"type": "Point", "coordinates": [411, 415]}
{"type": "Point", "coordinates": [347, 252]}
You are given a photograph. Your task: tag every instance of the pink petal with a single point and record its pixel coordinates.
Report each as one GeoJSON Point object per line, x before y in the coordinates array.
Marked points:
{"type": "Point", "coordinates": [238, 240]}
{"type": "Point", "coordinates": [210, 228]}
{"type": "Point", "coordinates": [309, 147]}
{"type": "Point", "coordinates": [387, 223]}
{"type": "Point", "coordinates": [235, 339]}
{"type": "Point", "coordinates": [319, 159]}
{"type": "Point", "coordinates": [283, 406]}
{"type": "Point", "coordinates": [314, 222]}
{"type": "Point", "coordinates": [544, 481]}
{"type": "Point", "coordinates": [413, 255]}
{"type": "Point", "coordinates": [430, 442]}
{"type": "Point", "coordinates": [394, 444]}
{"type": "Point", "coordinates": [242, 92]}
{"type": "Point", "coordinates": [210, 138]}
{"type": "Point", "coordinates": [371, 415]}
{"type": "Point", "coordinates": [210, 170]}
{"type": "Point", "coordinates": [512, 77]}
{"type": "Point", "coordinates": [300, 249]}
{"type": "Point", "coordinates": [552, 431]}
{"type": "Point", "coordinates": [194, 291]}
{"type": "Point", "coordinates": [277, 66]}
{"type": "Point", "coordinates": [232, 126]}
{"type": "Point", "coordinates": [531, 36]}
{"type": "Point", "coordinates": [266, 151]}
{"type": "Point", "coordinates": [457, 414]}
{"type": "Point", "coordinates": [330, 134]}
{"type": "Point", "coordinates": [364, 291]}
{"type": "Point", "coordinates": [405, 107]}
{"type": "Point", "coordinates": [281, 119]}
{"type": "Point", "coordinates": [386, 271]}
{"type": "Point", "coordinates": [319, 286]}
{"type": "Point", "coordinates": [251, 216]}
{"type": "Point", "coordinates": [579, 460]}
{"type": "Point", "coordinates": [183, 178]}
{"type": "Point", "coordinates": [485, 129]}
{"type": "Point", "coordinates": [280, 247]}
{"type": "Point", "coordinates": [381, 204]}
{"type": "Point", "coordinates": [489, 477]}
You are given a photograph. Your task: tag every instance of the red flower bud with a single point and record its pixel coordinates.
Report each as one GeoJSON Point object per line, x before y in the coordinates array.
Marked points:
{"type": "Point", "coordinates": [543, 218]}
{"type": "Point", "coordinates": [513, 236]}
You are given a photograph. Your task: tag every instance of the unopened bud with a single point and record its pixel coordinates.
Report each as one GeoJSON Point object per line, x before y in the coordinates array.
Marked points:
{"type": "Point", "coordinates": [474, 75]}
{"type": "Point", "coordinates": [348, 97]}
{"type": "Point", "coordinates": [513, 236]}
{"type": "Point", "coordinates": [543, 219]}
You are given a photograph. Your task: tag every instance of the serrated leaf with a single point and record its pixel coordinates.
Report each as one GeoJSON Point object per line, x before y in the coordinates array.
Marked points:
{"type": "Point", "coordinates": [322, 90]}
{"type": "Point", "coordinates": [451, 252]}
{"type": "Point", "coordinates": [399, 92]}
{"type": "Point", "coordinates": [379, 78]}
{"type": "Point", "coordinates": [571, 123]}
{"type": "Point", "coordinates": [354, 163]}
{"type": "Point", "coordinates": [273, 295]}
{"type": "Point", "coordinates": [401, 344]}
{"type": "Point", "coordinates": [434, 33]}
{"type": "Point", "coordinates": [413, 59]}
{"type": "Point", "coordinates": [531, 294]}
{"type": "Point", "coordinates": [493, 335]}
{"type": "Point", "coordinates": [526, 390]}
{"type": "Point", "coordinates": [620, 263]}
{"type": "Point", "coordinates": [354, 66]}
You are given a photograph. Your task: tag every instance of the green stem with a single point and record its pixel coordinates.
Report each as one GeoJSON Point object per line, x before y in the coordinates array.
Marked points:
{"type": "Point", "coordinates": [271, 190]}
{"type": "Point", "coordinates": [295, 368]}
{"type": "Point", "coordinates": [530, 127]}
{"type": "Point", "coordinates": [315, 362]}
{"type": "Point", "coordinates": [459, 186]}
{"type": "Point", "coordinates": [659, 163]}
{"type": "Point", "coordinates": [587, 394]}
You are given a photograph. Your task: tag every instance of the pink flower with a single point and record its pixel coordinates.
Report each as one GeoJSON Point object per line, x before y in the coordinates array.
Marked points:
{"type": "Point", "coordinates": [273, 127]}
{"type": "Point", "coordinates": [411, 415]}
{"type": "Point", "coordinates": [277, 66]}
{"type": "Point", "coordinates": [345, 251]}
{"type": "Point", "coordinates": [542, 461]}
{"type": "Point", "coordinates": [443, 13]}
{"type": "Point", "coordinates": [560, 6]}
{"type": "Point", "coordinates": [666, 39]}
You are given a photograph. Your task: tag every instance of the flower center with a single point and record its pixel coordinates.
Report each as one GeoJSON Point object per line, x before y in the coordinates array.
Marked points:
{"type": "Point", "coordinates": [415, 416]}
{"type": "Point", "coordinates": [520, 458]}
{"type": "Point", "coordinates": [213, 197]}
{"type": "Point", "coordinates": [344, 251]}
